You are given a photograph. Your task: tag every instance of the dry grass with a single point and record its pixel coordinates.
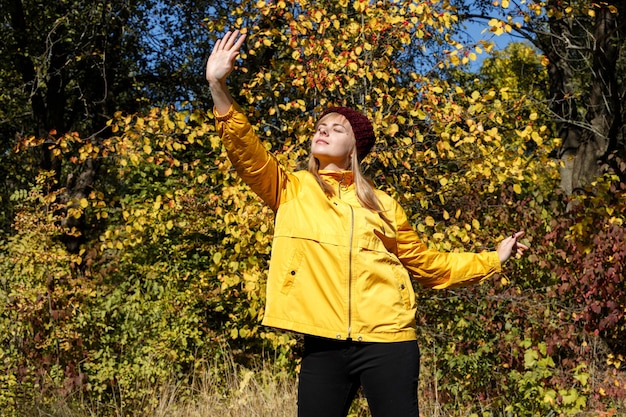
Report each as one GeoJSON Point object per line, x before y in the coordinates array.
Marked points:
{"type": "Point", "coordinates": [234, 393]}
{"type": "Point", "coordinates": [223, 390]}
{"type": "Point", "coordinates": [242, 392]}
{"type": "Point", "coordinates": [228, 390]}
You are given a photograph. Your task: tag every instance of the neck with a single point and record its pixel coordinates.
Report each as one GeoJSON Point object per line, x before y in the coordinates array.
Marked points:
{"type": "Point", "coordinates": [333, 167]}
{"type": "Point", "coordinates": [333, 164]}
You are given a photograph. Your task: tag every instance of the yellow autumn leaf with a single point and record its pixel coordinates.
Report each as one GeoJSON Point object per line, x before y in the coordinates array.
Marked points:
{"type": "Point", "coordinates": [84, 203]}
{"type": "Point", "coordinates": [392, 129]}
{"type": "Point", "coordinates": [476, 224]}
{"type": "Point", "coordinates": [217, 257]}
{"type": "Point", "coordinates": [517, 189]}
{"type": "Point", "coordinates": [359, 5]}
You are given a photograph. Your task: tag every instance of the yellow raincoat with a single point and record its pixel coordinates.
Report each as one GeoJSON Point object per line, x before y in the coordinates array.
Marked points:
{"type": "Point", "coordinates": [339, 270]}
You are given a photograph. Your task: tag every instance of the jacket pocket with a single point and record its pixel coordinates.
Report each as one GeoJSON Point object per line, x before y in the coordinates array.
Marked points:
{"type": "Point", "coordinates": [407, 294]}
{"type": "Point", "coordinates": [292, 271]}
{"type": "Point", "coordinates": [405, 287]}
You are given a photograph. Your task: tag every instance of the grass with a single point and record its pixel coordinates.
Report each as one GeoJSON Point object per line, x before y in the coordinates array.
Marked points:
{"type": "Point", "coordinates": [225, 389]}
{"type": "Point", "coordinates": [247, 393]}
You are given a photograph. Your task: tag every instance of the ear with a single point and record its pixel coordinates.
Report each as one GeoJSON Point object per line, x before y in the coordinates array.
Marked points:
{"type": "Point", "coordinates": [353, 155]}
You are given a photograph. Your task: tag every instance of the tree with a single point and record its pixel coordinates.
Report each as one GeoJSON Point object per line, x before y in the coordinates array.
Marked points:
{"type": "Point", "coordinates": [581, 42]}
{"type": "Point", "coordinates": [69, 66]}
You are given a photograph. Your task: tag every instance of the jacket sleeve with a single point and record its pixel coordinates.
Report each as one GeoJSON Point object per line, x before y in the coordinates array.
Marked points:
{"type": "Point", "coordinates": [254, 164]}
{"type": "Point", "coordinates": [439, 270]}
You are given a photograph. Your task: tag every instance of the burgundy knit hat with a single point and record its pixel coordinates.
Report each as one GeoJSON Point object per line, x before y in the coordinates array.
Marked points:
{"type": "Point", "coordinates": [361, 126]}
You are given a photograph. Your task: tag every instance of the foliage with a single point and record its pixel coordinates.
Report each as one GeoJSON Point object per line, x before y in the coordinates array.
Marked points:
{"type": "Point", "coordinates": [164, 284]}
{"type": "Point", "coordinates": [594, 272]}
{"type": "Point", "coordinates": [39, 300]}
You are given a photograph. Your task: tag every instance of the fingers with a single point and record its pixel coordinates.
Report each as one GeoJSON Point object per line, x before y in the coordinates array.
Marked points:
{"type": "Point", "coordinates": [223, 56]}
{"type": "Point", "coordinates": [521, 248]}
{"type": "Point", "coordinates": [232, 41]}
{"type": "Point", "coordinates": [518, 235]}
{"type": "Point", "coordinates": [518, 248]}
{"type": "Point", "coordinates": [510, 246]}
{"type": "Point", "coordinates": [221, 43]}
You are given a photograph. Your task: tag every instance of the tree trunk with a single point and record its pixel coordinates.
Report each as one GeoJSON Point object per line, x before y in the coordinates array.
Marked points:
{"type": "Point", "coordinates": [589, 137]}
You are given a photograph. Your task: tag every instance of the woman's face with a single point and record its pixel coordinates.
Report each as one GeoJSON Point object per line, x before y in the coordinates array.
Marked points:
{"type": "Point", "coordinates": [333, 142]}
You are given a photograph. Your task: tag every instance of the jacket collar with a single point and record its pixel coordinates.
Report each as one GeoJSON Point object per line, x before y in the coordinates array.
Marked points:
{"type": "Point", "coordinates": [344, 177]}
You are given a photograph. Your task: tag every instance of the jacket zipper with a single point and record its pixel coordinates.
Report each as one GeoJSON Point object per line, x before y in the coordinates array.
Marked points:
{"type": "Point", "coordinates": [349, 335]}
{"type": "Point", "coordinates": [350, 275]}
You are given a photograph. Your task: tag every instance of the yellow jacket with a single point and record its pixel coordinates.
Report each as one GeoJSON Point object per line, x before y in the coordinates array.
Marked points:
{"type": "Point", "coordinates": [339, 270]}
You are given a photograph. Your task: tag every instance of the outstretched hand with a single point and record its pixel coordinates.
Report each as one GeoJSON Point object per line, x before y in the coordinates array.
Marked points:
{"type": "Point", "coordinates": [511, 246]}
{"type": "Point", "coordinates": [221, 62]}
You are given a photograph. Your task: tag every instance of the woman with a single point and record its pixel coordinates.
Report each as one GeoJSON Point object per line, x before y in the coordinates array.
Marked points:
{"type": "Point", "coordinates": [342, 258]}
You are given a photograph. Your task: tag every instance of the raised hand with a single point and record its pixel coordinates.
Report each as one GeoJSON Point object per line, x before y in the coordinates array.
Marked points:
{"type": "Point", "coordinates": [221, 62]}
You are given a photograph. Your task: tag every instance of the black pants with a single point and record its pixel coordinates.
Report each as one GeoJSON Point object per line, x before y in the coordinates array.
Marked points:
{"type": "Point", "coordinates": [332, 371]}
